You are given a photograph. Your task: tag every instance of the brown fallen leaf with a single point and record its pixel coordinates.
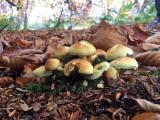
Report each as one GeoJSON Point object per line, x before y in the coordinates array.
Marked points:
{"type": "Point", "coordinates": [36, 106]}
{"type": "Point", "coordinates": [147, 116]}
{"type": "Point", "coordinates": [75, 115]}
{"type": "Point", "coordinates": [100, 117]}
{"type": "Point", "coordinates": [138, 35]}
{"type": "Point", "coordinates": [6, 81]}
{"type": "Point", "coordinates": [155, 39]}
{"type": "Point", "coordinates": [149, 46]}
{"type": "Point", "coordinates": [148, 106]}
{"type": "Point", "coordinates": [149, 58]}
{"type": "Point", "coordinates": [11, 51]}
{"type": "Point", "coordinates": [24, 106]}
{"type": "Point", "coordinates": [12, 113]}
{"type": "Point", "coordinates": [106, 37]}
{"type": "Point", "coordinates": [16, 64]}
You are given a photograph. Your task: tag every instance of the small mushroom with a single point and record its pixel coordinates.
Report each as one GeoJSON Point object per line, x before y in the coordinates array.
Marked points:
{"type": "Point", "coordinates": [62, 51]}
{"type": "Point", "coordinates": [98, 52]}
{"type": "Point", "coordinates": [111, 73]}
{"type": "Point", "coordinates": [99, 69]}
{"type": "Point", "coordinates": [40, 71]}
{"type": "Point", "coordinates": [82, 49]}
{"type": "Point", "coordinates": [84, 67]}
{"type": "Point", "coordinates": [124, 63]}
{"type": "Point", "coordinates": [53, 64]}
{"type": "Point", "coordinates": [100, 85]}
{"type": "Point", "coordinates": [117, 51]}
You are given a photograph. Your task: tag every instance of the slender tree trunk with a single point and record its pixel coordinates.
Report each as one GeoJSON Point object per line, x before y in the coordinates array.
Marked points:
{"type": "Point", "coordinates": [26, 15]}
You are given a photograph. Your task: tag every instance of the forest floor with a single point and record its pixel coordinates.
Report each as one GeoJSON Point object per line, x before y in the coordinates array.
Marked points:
{"type": "Point", "coordinates": [134, 92]}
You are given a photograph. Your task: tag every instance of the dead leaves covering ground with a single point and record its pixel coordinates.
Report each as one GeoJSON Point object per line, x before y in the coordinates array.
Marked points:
{"type": "Point", "coordinates": [134, 95]}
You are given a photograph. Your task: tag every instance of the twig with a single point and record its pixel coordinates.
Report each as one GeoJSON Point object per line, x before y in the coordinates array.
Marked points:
{"type": "Point", "coordinates": [3, 28]}
{"type": "Point", "coordinates": [154, 82]}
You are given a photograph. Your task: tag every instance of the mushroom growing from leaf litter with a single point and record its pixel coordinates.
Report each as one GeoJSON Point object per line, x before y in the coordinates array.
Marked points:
{"type": "Point", "coordinates": [82, 49]}
{"type": "Point", "coordinates": [118, 51]}
{"type": "Point", "coordinates": [84, 67]}
{"type": "Point", "coordinates": [99, 69]}
{"type": "Point", "coordinates": [124, 63]}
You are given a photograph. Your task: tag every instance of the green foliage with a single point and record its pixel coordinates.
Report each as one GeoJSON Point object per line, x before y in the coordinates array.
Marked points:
{"type": "Point", "coordinates": [73, 83]}
{"type": "Point", "coordinates": [7, 21]}
{"type": "Point", "coordinates": [155, 74]}
{"type": "Point", "coordinates": [37, 87]}
{"type": "Point", "coordinates": [98, 60]}
{"type": "Point", "coordinates": [145, 15]}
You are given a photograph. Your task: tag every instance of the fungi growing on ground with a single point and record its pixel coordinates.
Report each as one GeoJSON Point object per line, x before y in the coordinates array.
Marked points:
{"type": "Point", "coordinates": [53, 64]}
{"type": "Point", "coordinates": [111, 73]}
{"type": "Point", "coordinates": [62, 51]}
{"type": "Point", "coordinates": [83, 66]}
{"type": "Point", "coordinates": [82, 49]}
{"type": "Point", "coordinates": [118, 51]}
{"type": "Point", "coordinates": [99, 69]}
{"type": "Point", "coordinates": [124, 63]}
{"type": "Point", "coordinates": [40, 71]}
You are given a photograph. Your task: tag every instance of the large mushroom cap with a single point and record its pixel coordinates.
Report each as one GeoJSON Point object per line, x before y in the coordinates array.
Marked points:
{"type": "Point", "coordinates": [82, 48]}
{"type": "Point", "coordinates": [117, 51]}
{"type": "Point", "coordinates": [84, 67]}
{"type": "Point", "coordinates": [99, 69]}
{"type": "Point", "coordinates": [62, 51]}
{"type": "Point", "coordinates": [124, 63]}
{"type": "Point", "coordinates": [52, 64]}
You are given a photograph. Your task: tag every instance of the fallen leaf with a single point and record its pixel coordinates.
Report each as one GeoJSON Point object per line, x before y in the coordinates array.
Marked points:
{"type": "Point", "coordinates": [11, 51]}
{"type": "Point", "coordinates": [100, 117]}
{"type": "Point", "coordinates": [24, 106]}
{"type": "Point", "coordinates": [74, 115]}
{"type": "Point", "coordinates": [36, 106]}
{"type": "Point", "coordinates": [148, 106]}
{"type": "Point", "coordinates": [149, 46]}
{"type": "Point", "coordinates": [149, 58]}
{"type": "Point", "coordinates": [6, 81]}
{"type": "Point", "coordinates": [155, 39]}
{"type": "Point", "coordinates": [147, 116]}
{"type": "Point", "coordinates": [12, 113]}
{"type": "Point", "coordinates": [106, 37]}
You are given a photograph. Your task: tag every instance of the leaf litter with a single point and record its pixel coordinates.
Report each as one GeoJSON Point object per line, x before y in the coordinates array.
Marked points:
{"type": "Point", "coordinates": [134, 95]}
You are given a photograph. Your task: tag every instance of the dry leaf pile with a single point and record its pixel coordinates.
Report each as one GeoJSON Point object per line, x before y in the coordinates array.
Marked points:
{"type": "Point", "coordinates": [124, 95]}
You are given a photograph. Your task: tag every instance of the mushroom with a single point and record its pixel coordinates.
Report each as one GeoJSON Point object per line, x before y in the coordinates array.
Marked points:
{"type": "Point", "coordinates": [99, 69]}
{"type": "Point", "coordinates": [111, 73]}
{"type": "Point", "coordinates": [53, 64]}
{"type": "Point", "coordinates": [124, 63]}
{"type": "Point", "coordinates": [82, 49]}
{"type": "Point", "coordinates": [117, 51]}
{"type": "Point", "coordinates": [98, 52]}
{"type": "Point", "coordinates": [62, 51]}
{"type": "Point", "coordinates": [84, 67]}
{"type": "Point", "coordinates": [40, 71]}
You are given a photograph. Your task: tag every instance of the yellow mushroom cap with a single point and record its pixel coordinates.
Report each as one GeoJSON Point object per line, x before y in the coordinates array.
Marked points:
{"type": "Point", "coordinates": [117, 51]}
{"type": "Point", "coordinates": [82, 48]}
{"type": "Point", "coordinates": [111, 73]}
{"type": "Point", "coordinates": [124, 63]}
{"type": "Point", "coordinates": [99, 69]}
{"type": "Point", "coordinates": [39, 71]}
{"type": "Point", "coordinates": [62, 51]}
{"type": "Point", "coordinates": [52, 64]}
{"type": "Point", "coordinates": [84, 67]}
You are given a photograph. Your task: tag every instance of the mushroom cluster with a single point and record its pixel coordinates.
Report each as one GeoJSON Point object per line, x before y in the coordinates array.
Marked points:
{"type": "Point", "coordinates": [82, 61]}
